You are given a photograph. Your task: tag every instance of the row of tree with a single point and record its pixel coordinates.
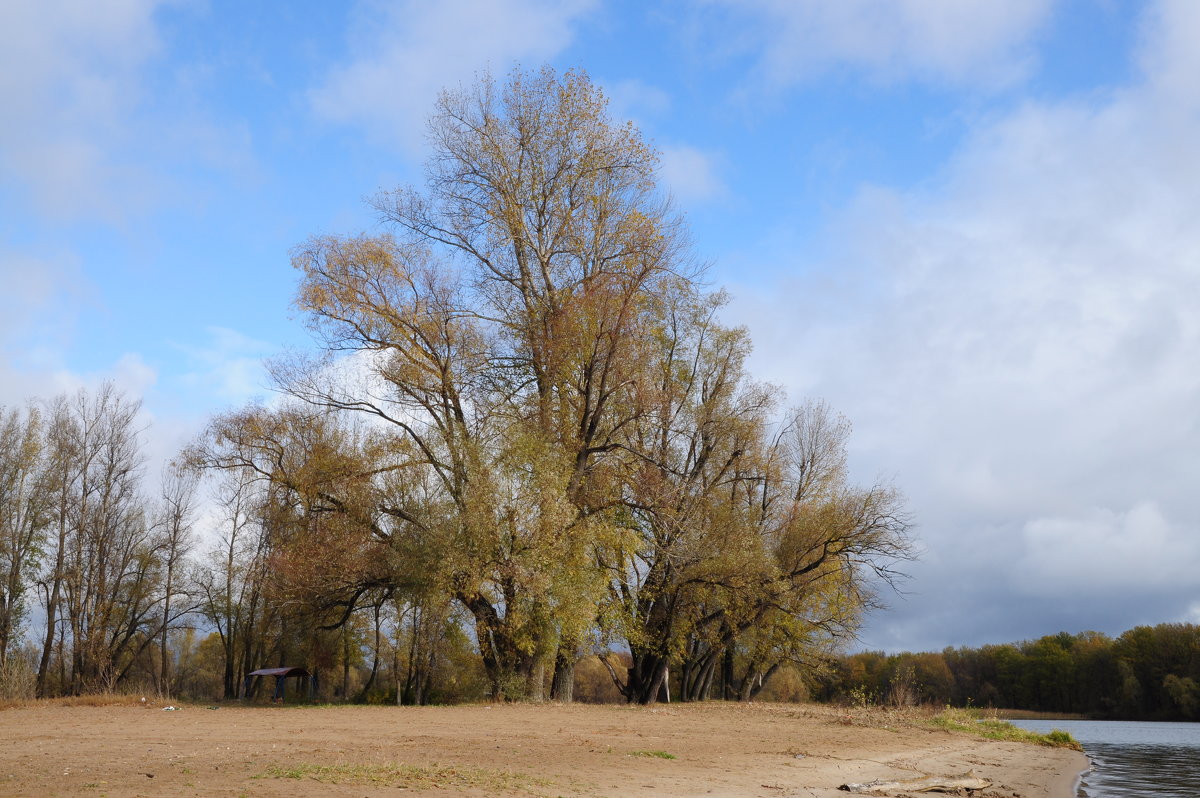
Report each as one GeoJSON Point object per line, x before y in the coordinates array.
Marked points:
{"type": "Point", "coordinates": [81, 539]}
{"type": "Point", "coordinates": [104, 585]}
{"type": "Point", "coordinates": [1146, 673]}
{"type": "Point", "coordinates": [524, 421]}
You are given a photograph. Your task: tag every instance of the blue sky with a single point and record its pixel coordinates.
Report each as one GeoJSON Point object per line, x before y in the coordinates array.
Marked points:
{"type": "Point", "coordinates": [970, 226]}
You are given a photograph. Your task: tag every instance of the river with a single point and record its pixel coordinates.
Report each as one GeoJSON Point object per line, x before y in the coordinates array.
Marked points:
{"type": "Point", "coordinates": [1132, 758]}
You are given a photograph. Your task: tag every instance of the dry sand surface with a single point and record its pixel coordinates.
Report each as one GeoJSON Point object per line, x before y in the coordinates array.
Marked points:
{"type": "Point", "coordinates": [717, 749]}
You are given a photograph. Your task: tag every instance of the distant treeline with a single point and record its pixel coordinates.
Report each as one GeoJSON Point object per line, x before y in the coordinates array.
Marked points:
{"type": "Point", "coordinates": [1149, 672]}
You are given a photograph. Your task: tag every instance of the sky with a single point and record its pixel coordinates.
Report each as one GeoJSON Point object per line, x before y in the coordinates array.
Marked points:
{"type": "Point", "coordinates": [973, 227]}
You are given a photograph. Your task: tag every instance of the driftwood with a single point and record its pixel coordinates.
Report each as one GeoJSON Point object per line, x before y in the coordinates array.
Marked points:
{"type": "Point", "coordinates": [964, 781]}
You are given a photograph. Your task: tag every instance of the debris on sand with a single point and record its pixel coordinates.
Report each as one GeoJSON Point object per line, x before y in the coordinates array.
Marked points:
{"type": "Point", "coordinates": [964, 781]}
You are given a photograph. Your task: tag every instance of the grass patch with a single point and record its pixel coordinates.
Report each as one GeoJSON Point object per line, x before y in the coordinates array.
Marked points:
{"type": "Point", "coordinates": [657, 754]}
{"type": "Point", "coordinates": [94, 700]}
{"type": "Point", "coordinates": [963, 720]}
{"type": "Point", "coordinates": [408, 776]}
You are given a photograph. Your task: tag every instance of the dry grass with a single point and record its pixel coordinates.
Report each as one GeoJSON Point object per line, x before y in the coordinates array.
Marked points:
{"type": "Point", "coordinates": [1029, 714]}
{"type": "Point", "coordinates": [970, 721]}
{"type": "Point", "coordinates": [881, 717]}
{"type": "Point", "coordinates": [88, 700]}
{"type": "Point", "coordinates": [99, 700]}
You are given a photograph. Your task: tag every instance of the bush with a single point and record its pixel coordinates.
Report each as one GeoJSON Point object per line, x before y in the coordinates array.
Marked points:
{"type": "Point", "coordinates": [593, 682]}
{"type": "Point", "coordinates": [18, 678]}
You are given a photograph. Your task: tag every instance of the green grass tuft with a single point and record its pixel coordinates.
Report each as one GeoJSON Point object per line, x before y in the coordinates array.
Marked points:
{"type": "Point", "coordinates": [965, 720]}
{"type": "Point", "coordinates": [658, 754]}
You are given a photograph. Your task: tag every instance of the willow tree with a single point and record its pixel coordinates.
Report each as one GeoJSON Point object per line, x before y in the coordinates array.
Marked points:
{"type": "Point", "coordinates": [824, 546]}
{"type": "Point", "coordinates": [702, 424]}
{"type": "Point", "coordinates": [558, 435]}
{"type": "Point", "coordinates": [500, 328]}
{"type": "Point", "coordinates": [745, 544]}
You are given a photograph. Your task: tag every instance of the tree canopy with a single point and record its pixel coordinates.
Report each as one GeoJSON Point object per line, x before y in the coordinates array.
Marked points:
{"type": "Point", "coordinates": [555, 432]}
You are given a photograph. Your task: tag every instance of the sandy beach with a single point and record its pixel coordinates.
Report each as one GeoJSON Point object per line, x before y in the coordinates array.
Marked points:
{"type": "Point", "coordinates": [550, 750]}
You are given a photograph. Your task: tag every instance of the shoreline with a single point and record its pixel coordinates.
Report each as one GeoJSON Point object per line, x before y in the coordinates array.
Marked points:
{"type": "Point", "coordinates": [541, 750]}
{"type": "Point", "coordinates": [1078, 783]}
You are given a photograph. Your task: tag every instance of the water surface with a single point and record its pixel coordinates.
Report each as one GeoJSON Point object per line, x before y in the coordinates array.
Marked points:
{"type": "Point", "coordinates": [1134, 758]}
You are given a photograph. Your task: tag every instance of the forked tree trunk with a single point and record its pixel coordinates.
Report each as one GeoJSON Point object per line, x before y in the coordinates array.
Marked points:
{"type": "Point", "coordinates": [646, 681]}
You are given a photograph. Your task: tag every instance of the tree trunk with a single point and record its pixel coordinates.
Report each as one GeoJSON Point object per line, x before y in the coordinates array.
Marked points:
{"type": "Point", "coordinates": [230, 687]}
{"type": "Point", "coordinates": [52, 603]}
{"type": "Point", "coordinates": [562, 686]}
{"type": "Point", "coordinates": [346, 661]}
{"type": "Point", "coordinates": [48, 645]}
{"type": "Point", "coordinates": [362, 694]}
{"type": "Point", "coordinates": [410, 679]}
{"type": "Point", "coordinates": [761, 682]}
{"type": "Point", "coordinates": [396, 654]}
{"type": "Point", "coordinates": [510, 670]}
{"type": "Point", "coordinates": [699, 677]}
{"type": "Point", "coordinates": [647, 679]}
{"type": "Point", "coordinates": [164, 686]}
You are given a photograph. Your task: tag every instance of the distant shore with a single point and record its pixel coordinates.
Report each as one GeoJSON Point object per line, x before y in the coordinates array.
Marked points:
{"type": "Point", "coordinates": [548, 750]}
{"type": "Point", "coordinates": [1028, 714]}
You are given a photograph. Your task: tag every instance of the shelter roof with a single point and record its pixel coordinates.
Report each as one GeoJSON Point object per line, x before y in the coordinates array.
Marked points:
{"type": "Point", "coordinates": [279, 672]}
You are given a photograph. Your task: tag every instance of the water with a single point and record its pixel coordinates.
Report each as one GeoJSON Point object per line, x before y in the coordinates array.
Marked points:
{"type": "Point", "coordinates": [1132, 758]}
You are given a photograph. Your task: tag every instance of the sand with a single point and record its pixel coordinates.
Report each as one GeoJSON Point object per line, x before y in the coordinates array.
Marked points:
{"type": "Point", "coordinates": [704, 749]}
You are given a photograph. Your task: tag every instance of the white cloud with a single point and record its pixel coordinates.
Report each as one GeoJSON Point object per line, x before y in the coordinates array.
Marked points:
{"type": "Point", "coordinates": [635, 99]}
{"type": "Point", "coordinates": [69, 77]}
{"type": "Point", "coordinates": [37, 291]}
{"type": "Point", "coordinates": [691, 174]}
{"type": "Point", "coordinates": [406, 52]}
{"type": "Point", "coordinates": [1104, 551]}
{"type": "Point", "coordinates": [229, 367]}
{"type": "Point", "coordinates": [1170, 56]}
{"type": "Point", "coordinates": [1018, 342]}
{"type": "Point", "coordinates": [132, 374]}
{"type": "Point", "coordinates": [966, 41]}
{"type": "Point", "coordinates": [38, 307]}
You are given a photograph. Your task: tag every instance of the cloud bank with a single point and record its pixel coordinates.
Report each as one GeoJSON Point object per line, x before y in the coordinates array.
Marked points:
{"type": "Point", "coordinates": [70, 80]}
{"type": "Point", "coordinates": [1020, 339]}
{"type": "Point", "coordinates": [967, 41]}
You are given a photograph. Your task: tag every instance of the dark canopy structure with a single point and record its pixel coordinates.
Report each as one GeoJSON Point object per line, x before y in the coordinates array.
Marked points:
{"type": "Point", "coordinates": [280, 675]}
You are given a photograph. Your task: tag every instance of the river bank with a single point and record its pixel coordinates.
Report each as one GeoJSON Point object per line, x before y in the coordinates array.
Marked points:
{"type": "Point", "coordinates": [577, 750]}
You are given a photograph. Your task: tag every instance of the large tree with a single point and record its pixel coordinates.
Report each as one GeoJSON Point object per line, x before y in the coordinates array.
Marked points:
{"type": "Point", "coordinates": [503, 325]}
{"type": "Point", "coordinates": [555, 432]}
{"type": "Point", "coordinates": [747, 544]}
